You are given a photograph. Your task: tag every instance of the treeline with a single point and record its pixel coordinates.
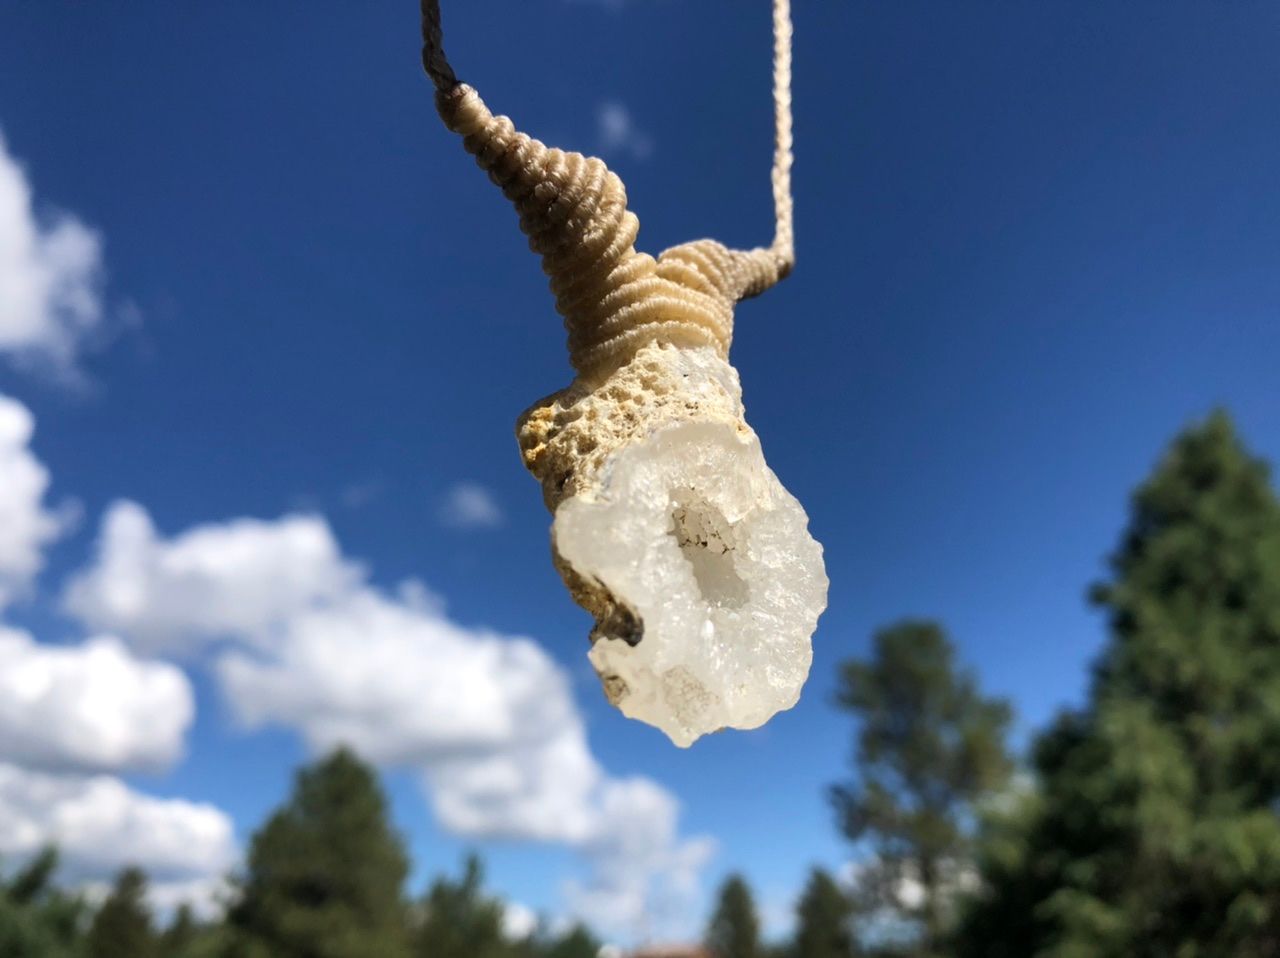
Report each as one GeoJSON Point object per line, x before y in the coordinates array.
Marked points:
{"type": "Point", "coordinates": [1144, 824]}
{"type": "Point", "coordinates": [324, 878]}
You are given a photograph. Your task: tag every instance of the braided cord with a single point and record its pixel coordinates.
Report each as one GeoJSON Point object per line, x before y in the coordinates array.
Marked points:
{"type": "Point", "coordinates": [784, 242]}
{"type": "Point", "coordinates": [433, 58]}
{"type": "Point", "coordinates": [574, 211]}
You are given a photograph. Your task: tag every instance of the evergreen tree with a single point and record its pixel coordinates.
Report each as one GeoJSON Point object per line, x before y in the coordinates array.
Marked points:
{"type": "Point", "coordinates": [179, 939]}
{"type": "Point", "coordinates": [1156, 830]}
{"type": "Point", "coordinates": [122, 927]}
{"type": "Point", "coordinates": [35, 880]}
{"type": "Point", "coordinates": [36, 920]}
{"type": "Point", "coordinates": [460, 921]}
{"type": "Point", "coordinates": [188, 937]}
{"type": "Point", "coordinates": [324, 874]}
{"type": "Point", "coordinates": [577, 942]}
{"type": "Point", "coordinates": [734, 930]}
{"type": "Point", "coordinates": [181, 932]}
{"type": "Point", "coordinates": [824, 916]}
{"type": "Point", "coordinates": [930, 747]}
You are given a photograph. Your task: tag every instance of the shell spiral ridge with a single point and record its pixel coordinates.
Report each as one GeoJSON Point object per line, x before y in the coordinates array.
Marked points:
{"type": "Point", "coordinates": [573, 209]}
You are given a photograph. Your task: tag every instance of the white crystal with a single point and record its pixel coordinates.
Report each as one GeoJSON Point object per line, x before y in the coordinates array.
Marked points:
{"type": "Point", "coordinates": [670, 529]}
{"type": "Point", "coordinates": [717, 579]}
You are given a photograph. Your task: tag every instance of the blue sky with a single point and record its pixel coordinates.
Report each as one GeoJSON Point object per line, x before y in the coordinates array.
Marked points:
{"type": "Point", "coordinates": [1034, 240]}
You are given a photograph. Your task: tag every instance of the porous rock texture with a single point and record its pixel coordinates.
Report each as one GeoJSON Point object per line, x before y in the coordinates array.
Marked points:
{"type": "Point", "coordinates": [671, 530]}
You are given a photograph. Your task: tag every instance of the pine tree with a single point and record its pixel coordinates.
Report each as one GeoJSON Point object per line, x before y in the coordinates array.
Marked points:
{"type": "Point", "coordinates": [577, 942]}
{"type": "Point", "coordinates": [734, 930]}
{"type": "Point", "coordinates": [324, 874]}
{"type": "Point", "coordinates": [182, 933]}
{"type": "Point", "coordinates": [460, 921]}
{"type": "Point", "coordinates": [930, 747]}
{"type": "Point", "coordinates": [122, 927]}
{"type": "Point", "coordinates": [823, 920]}
{"type": "Point", "coordinates": [1156, 829]}
{"type": "Point", "coordinates": [37, 920]}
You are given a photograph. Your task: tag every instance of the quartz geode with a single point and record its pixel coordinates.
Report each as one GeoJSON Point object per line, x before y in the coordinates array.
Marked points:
{"type": "Point", "coordinates": [673, 532]}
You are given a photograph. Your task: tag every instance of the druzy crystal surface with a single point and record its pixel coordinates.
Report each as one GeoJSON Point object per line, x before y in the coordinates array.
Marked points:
{"type": "Point", "coordinates": [697, 563]}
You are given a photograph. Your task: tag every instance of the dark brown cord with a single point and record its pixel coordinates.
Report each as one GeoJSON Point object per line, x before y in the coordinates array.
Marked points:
{"type": "Point", "coordinates": [433, 58]}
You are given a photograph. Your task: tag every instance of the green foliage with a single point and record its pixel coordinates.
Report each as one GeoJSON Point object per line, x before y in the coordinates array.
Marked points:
{"type": "Point", "coordinates": [460, 921]}
{"type": "Point", "coordinates": [325, 872]}
{"type": "Point", "coordinates": [456, 919]}
{"type": "Point", "coordinates": [34, 881]}
{"type": "Point", "coordinates": [930, 747]}
{"type": "Point", "coordinates": [323, 880]}
{"type": "Point", "coordinates": [122, 927]}
{"type": "Point", "coordinates": [36, 920]}
{"type": "Point", "coordinates": [577, 942]}
{"type": "Point", "coordinates": [734, 931]}
{"type": "Point", "coordinates": [1155, 833]}
{"type": "Point", "coordinates": [181, 933]}
{"type": "Point", "coordinates": [824, 917]}
{"type": "Point", "coordinates": [186, 937]}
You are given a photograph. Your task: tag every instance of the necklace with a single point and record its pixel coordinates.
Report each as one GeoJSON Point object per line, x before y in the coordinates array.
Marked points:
{"type": "Point", "coordinates": [670, 529]}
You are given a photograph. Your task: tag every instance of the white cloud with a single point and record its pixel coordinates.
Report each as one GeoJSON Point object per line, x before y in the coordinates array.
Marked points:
{"type": "Point", "coordinates": [92, 707]}
{"type": "Point", "coordinates": [641, 874]}
{"type": "Point", "coordinates": [619, 134]}
{"type": "Point", "coordinates": [518, 921]}
{"type": "Point", "coordinates": [50, 276]}
{"type": "Point", "coordinates": [69, 711]}
{"type": "Point", "coordinates": [487, 721]}
{"type": "Point", "coordinates": [26, 526]}
{"type": "Point", "coordinates": [206, 895]}
{"type": "Point", "coordinates": [100, 825]}
{"type": "Point", "coordinates": [239, 579]}
{"type": "Point", "coordinates": [470, 506]}
{"type": "Point", "coordinates": [490, 723]}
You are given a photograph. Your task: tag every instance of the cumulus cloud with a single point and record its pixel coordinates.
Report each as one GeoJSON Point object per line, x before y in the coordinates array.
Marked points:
{"type": "Point", "coordinates": [518, 921]}
{"type": "Point", "coordinates": [490, 723]}
{"type": "Point", "coordinates": [92, 707]}
{"type": "Point", "coordinates": [26, 526]}
{"type": "Point", "coordinates": [240, 579]}
{"type": "Point", "coordinates": [100, 825]}
{"type": "Point", "coordinates": [641, 873]}
{"type": "Point", "coordinates": [470, 506]}
{"type": "Point", "coordinates": [50, 276]}
{"type": "Point", "coordinates": [69, 713]}
{"type": "Point", "coordinates": [619, 134]}
{"type": "Point", "coordinates": [487, 721]}
{"type": "Point", "coordinates": [206, 895]}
